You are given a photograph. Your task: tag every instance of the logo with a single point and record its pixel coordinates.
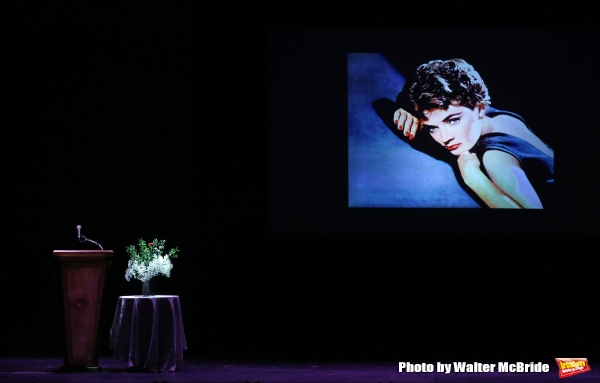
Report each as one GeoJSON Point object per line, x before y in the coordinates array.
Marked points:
{"type": "Point", "coordinates": [572, 366]}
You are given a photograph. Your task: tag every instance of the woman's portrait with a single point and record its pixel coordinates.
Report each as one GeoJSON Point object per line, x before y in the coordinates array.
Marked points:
{"type": "Point", "coordinates": [445, 144]}
{"type": "Point", "coordinates": [432, 130]}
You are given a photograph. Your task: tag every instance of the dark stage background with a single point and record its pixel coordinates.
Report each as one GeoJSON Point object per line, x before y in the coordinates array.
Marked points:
{"type": "Point", "coordinates": [142, 122]}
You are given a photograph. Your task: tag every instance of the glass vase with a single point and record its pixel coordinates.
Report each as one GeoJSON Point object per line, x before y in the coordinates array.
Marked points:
{"type": "Point", "coordinates": [149, 287]}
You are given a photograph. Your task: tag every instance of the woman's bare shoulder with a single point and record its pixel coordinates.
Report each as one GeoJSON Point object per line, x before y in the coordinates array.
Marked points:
{"type": "Point", "coordinates": [504, 123]}
{"type": "Point", "coordinates": [511, 125]}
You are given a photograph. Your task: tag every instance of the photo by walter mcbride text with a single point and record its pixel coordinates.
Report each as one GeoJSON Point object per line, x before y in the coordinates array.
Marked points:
{"type": "Point", "coordinates": [475, 367]}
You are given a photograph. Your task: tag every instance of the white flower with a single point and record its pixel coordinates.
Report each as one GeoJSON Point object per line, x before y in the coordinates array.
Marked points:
{"type": "Point", "coordinates": [159, 265]}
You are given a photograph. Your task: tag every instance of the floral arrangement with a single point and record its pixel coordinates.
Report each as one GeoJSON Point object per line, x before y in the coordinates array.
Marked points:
{"type": "Point", "coordinates": [149, 260]}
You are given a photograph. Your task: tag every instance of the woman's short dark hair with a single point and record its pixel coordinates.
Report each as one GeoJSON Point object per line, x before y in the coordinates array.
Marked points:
{"type": "Point", "coordinates": [438, 84]}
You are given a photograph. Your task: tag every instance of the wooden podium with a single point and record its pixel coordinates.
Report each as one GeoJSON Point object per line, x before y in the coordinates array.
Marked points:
{"type": "Point", "coordinates": [81, 274]}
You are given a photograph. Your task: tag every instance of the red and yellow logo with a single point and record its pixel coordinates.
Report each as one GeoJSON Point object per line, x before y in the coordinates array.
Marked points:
{"type": "Point", "coordinates": [572, 366]}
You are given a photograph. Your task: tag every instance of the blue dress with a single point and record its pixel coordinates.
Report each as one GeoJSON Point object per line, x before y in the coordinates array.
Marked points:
{"type": "Point", "coordinates": [538, 166]}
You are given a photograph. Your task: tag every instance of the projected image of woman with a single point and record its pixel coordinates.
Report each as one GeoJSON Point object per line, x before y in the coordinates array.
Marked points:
{"type": "Point", "coordinates": [499, 157]}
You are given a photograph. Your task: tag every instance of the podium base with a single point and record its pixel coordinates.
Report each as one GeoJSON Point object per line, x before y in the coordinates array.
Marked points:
{"type": "Point", "coordinates": [63, 368]}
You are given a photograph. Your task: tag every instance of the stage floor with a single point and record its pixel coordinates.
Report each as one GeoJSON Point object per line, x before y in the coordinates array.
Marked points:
{"type": "Point", "coordinates": [45, 369]}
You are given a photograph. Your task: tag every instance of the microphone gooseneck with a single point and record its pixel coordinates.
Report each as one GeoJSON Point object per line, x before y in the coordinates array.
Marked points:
{"type": "Point", "coordinates": [83, 238]}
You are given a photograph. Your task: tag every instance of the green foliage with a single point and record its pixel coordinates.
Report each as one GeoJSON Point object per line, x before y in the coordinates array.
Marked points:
{"type": "Point", "coordinates": [148, 251]}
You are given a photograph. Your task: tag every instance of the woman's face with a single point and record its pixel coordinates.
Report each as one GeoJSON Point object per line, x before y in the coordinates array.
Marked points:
{"type": "Point", "coordinates": [457, 129]}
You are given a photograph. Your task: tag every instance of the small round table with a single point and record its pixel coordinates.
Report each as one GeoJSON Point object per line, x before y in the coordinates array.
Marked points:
{"type": "Point", "coordinates": [147, 332]}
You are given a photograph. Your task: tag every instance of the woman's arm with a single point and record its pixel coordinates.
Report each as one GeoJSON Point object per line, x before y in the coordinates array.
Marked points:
{"type": "Point", "coordinates": [505, 171]}
{"type": "Point", "coordinates": [490, 193]}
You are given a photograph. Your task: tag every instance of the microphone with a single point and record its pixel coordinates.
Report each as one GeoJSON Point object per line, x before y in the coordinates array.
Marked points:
{"type": "Point", "coordinates": [82, 238]}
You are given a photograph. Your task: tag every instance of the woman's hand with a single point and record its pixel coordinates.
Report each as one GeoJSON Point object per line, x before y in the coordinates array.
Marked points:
{"type": "Point", "coordinates": [468, 163]}
{"type": "Point", "coordinates": [407, 122]}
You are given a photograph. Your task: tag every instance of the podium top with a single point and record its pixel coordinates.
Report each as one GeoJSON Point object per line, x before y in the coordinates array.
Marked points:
{"type": "Point", "coordinates": [83, 255]}
{"type": "Point", "coordinates": [84, 252]}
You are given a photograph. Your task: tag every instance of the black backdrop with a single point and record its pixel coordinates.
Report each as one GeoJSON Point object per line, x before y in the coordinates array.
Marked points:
{"type": "Point", "coordinates": [144, 121]}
